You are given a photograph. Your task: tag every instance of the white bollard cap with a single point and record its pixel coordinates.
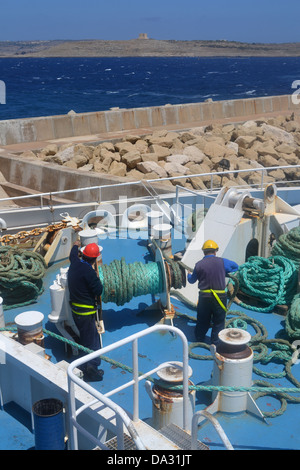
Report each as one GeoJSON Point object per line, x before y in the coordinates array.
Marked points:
{"type": "Point", "coordinates": [234, 336]}
{"type": "Point", "coordinates": [30, 320]}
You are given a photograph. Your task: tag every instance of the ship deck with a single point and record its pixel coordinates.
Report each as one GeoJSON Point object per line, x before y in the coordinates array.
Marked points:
{"type": "Point", "coordinates": [244, 430]}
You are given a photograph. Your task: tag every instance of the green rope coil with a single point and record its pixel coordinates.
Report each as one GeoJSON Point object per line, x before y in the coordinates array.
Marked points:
{"type": "Point", "coordinates": [121, 281]}
{"type": "Point", "coordinates": [292, 321]}
{"type": "Point", "coordinates": [288, 245]}
{"type": "Point", "coordinates": [271, 280]}
{"type": "Point", "coordinates": [21, 276]}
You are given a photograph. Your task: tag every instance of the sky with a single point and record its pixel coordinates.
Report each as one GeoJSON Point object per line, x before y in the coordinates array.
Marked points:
{"type": "Point", "coordinates": [270, 21]}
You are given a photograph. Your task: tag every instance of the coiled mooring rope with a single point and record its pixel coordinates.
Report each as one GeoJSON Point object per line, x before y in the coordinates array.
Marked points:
{"type": "Point", "coordinates": [271, 280]}
{"type": "Point", "coordinates": [292, 320]}
{"type": "Point", "coordinates": [21, 276]}
{"type": "Point", "coordinates": [122, 281]}
{"type": "Point", "coordinates": [288, 245]}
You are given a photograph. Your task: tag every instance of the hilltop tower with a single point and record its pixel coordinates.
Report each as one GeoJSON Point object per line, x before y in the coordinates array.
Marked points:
{"type": "Point", "coordinates": [143, 36]}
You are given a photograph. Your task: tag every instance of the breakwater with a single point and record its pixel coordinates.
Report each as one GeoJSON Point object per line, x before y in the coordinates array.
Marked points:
{"type": "Point", "coordinates": [72, 125]}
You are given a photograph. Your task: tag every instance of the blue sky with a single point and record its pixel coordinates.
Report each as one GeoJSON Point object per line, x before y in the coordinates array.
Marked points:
{"type": "Point", "coordinates": [237, 20]}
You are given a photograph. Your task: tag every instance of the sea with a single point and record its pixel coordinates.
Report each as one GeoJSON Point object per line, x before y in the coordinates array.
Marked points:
{"type": "Point", "coordinates": [33, 87]}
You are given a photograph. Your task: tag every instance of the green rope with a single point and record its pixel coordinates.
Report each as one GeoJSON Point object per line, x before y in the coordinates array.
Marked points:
{"type": "Point", "coordinates": [288, 245]}
{"type": "Point", "coordinates": [173, 387]}
{"type": "Point", "coordinates": [121, 281]}
{"type": "Point", "coordinates": [272, 280]}
{"type": "Point", "coordinates": [292, 321]}
{"type": "Point", "coordinates": [21, 276]}
{"type": "Point", "coordinates": [261, 388]}
{"type": "Point", "coordinates": [265, 351]}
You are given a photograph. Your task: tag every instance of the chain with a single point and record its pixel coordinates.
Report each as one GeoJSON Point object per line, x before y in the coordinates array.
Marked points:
{"type": "Point", "coordinates": [7, 239]}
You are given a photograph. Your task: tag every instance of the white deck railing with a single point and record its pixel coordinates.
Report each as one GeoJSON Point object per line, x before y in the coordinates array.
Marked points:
{"type": "Point", "coordinates": [101, 188]}
{"type": "Point", "coordinates": [121, 416]}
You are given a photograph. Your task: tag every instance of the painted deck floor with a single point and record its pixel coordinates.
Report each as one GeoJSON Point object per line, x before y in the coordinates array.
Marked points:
{"type": "Point", "coordinates": [244, 431]}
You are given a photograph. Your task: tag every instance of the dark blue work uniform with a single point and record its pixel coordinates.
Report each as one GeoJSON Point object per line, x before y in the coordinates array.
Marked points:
{"type": "Point", "coordinates": [84, 286]}
{"type": "Point", "coordinates": [210, 272]}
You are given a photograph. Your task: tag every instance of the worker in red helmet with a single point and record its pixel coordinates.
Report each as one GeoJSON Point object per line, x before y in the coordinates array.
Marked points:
{"type": "Point", "coordinates": [210, 272]}
{"type": "Point", "coordinates": [84, 286]}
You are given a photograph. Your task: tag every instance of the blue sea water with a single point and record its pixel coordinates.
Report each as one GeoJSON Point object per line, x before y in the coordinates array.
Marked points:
{"type": "Point", "coordinates": [50, 86]}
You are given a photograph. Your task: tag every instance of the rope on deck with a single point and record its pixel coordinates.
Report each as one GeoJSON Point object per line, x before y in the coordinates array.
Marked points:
{"type": "Point", "coordinates": [282, 352]}
{"type": "Point", "coordinates": [21, 276]}
{"type": "Point", "coordinates": [121, 281]}
{"type": "Point", "coordinates": [172, 387]}
{"type": "Point", "coordinates": [288, 245]}
{"type": "Point", "coordinates": [271, 280]}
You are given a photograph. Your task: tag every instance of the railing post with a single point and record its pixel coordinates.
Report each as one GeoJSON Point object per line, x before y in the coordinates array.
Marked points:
{"type": "Point", "coordinates": [72, 417]}
{"type": "Point", "coordinates": [120, 432]}
{"type": "Point", "coordinates": [136, 380]}
{"type": "Point", "coordinates": [262, 180]}
{"type": "Point", "coordinates": [215, 424]}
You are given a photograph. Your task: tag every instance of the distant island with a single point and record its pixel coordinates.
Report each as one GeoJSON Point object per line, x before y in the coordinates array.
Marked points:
{"type": "Point", "coordinates": [144, 47]}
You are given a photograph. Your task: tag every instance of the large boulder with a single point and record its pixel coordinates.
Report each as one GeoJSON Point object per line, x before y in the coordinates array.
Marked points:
{"type": "Point", "coordinates": [178, 159]}
{"type": "Point", "coordinates": [245, 141]}
{"type": "Point", "coordinates": [117, 169]}
{"type": "Point", "coordinates": [172, 168]}
{"type": "Point", "coordinates": [213, 149]}
{"type": "Point", "coordinates": [160, 151]}
{"type": "Point", "coordinates": [194, 154]}
{"type": "Point", "coordinates": [152, 167]}
{"type": "Point", "coordinates": [131, 159]}
{"type": "Point", "coordinates": [62, 156]}
{"type": "Point", "coordinates": [124, 147]}
{"type": "Point", "coordinates": [278, 134]}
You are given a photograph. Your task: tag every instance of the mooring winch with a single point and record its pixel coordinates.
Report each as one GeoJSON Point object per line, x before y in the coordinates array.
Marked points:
{"type": "Point", "coordinates": [233, 365]}
{"type": "Point", "coordinates": [167, 404]}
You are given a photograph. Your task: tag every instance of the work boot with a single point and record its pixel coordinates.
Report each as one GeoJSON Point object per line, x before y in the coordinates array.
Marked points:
{"type": "Point", "coordinates": [92, 374]}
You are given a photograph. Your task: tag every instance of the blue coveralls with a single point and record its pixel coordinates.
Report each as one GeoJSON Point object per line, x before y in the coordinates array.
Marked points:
{"type": "Point", "coordinates": [210, 272]}
{"type": "Point", "coordinates": [84, 286]}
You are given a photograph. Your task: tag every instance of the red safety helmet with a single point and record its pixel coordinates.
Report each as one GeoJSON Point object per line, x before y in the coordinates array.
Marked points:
{"type": "Point", "coordinates": [91, 250]}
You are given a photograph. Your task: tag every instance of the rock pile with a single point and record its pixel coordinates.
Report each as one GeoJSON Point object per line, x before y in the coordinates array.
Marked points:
{"type": "Point", "coordinates": [262, 143]}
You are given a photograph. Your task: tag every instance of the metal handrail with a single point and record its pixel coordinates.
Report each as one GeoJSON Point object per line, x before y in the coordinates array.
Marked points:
{"type": "Point", "coordinates": [215, 424]}
{"type": "Point", "coordinates": [121, 415]}
{"type": "Point", "coordinates": [264, 170]}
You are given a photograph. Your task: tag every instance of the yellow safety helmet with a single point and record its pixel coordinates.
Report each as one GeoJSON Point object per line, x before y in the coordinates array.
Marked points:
{"type": "Point", "coordinates": [210, 245]}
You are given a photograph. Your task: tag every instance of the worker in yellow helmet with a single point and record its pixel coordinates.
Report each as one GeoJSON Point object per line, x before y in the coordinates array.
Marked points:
{"type": "Point", "coordinates": [210, 272]}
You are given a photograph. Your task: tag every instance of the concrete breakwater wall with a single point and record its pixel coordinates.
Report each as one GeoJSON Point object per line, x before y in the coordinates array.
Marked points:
{"type": "Point", "coordinates": [39, 177]}
{"type": "Point", "coordinates": [115, 120]}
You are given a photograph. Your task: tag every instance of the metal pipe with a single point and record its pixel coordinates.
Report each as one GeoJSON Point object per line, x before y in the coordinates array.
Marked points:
{"type": "Point", "coordinates": [216, 425]}
{"type": "Point", "coordinates": [2, 319]}
{"type": "Point", "coordinates": [136, 381]}
{"type": "Point", "coordinates": [3, 225]}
